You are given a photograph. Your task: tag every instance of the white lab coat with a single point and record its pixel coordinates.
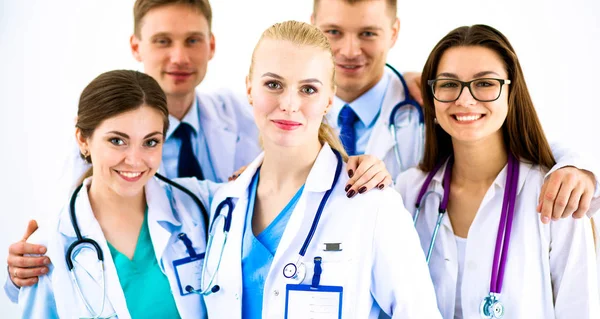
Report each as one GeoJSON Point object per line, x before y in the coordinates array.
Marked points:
{"type": "Point", "coordinates": [551, 269]}
{"type": "Point", "coordinates": [380, 261]}
{"type": "Point", "coordinates": [170, 212]}
{"type": "Point", "coordinates": [381, 142]}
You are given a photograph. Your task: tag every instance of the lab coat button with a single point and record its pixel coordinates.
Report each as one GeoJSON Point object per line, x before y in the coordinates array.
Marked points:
{"type": "Point", "coordinates": [276, 293]}
{"type": "Point", "coordinates": [237, 297]}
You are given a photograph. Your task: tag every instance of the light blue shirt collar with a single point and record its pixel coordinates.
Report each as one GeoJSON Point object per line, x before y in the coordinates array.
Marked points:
{"type": "Point", "coordinates": [191, 118]}
{"type": "Point", "coordinates": [366, 106]}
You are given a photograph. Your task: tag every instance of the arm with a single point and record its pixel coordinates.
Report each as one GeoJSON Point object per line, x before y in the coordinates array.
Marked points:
{"type": "Point", "coordinates": [401, 283]}
{"type": "Point", "coordinates": [573, 269]}
{"type": "Point", "coordinates": [571, 187]}
{"type": "Point", "coordinates": [365, 171]}
{"type": "Point", "coordinates": [24, 270]}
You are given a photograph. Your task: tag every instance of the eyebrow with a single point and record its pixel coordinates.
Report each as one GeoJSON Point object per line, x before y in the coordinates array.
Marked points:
{"type": "Point", "coordinates": [279, 77]}
{"type": "Point", "coordinates": [367, 28]}
{"type": "Point", "coordinates": [167, 34]}
{"type": "Point", "coordinates": [476, 75]}
{"type": "Point", "coordinates": [121, 134]}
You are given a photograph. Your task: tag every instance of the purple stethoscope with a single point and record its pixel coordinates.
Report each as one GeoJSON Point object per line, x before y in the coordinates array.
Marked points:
{"type": "Point", "coordinates": [490, 306]}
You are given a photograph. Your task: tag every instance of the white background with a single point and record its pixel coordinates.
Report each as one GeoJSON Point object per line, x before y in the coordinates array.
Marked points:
{"type": "Point", "coordinates": [49, 50]}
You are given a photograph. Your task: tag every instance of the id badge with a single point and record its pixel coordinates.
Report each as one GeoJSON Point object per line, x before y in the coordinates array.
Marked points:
{"type": "Point", "coordinates": [188, 272]}
{"type": "Point", "coordinates": [304, 301]}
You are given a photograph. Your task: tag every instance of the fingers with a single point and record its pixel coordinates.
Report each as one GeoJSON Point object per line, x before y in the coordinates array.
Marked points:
{"type": "Point", "coordinates": [24, 282]}
{"type": "Point", "coordinates": [551, 186]}
{"type": "Point", "coordinates": [352, 165]}
{"type": "Point", "coordinates": [26, 274]}
{"type": "Point", "coordinates": [22, 248]}
{"type": "Point", "coordinates": [27, 261]}
{"type": "Point", "coordinates": [237, 173]}
{"type": "Point", "coordinates": [32, 226]}
{"type": "Point", "coordinates": [561, 201]}
{"type": "Point", "coordinates": [584, 204]}
{"type": "Point", "coordinates": [371, 173]}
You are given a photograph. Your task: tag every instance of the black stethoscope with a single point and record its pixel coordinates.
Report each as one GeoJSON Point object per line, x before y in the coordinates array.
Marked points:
{"type": "Point", "coordinates": [405, 104]}
{"type": "Point", "coordinates": [88, 241]}
{"type": "Point", "coordinates": [294, 270]}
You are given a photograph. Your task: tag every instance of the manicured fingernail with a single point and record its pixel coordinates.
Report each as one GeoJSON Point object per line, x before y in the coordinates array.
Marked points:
{"type": "Point", "coordinates": [362, 189]}
{"type": "Point", "coordinates": [44, 270]}
{"type": "Point", "coordinates": [545, 219]}
{"type": "Point", "coordinates": [350, 173]}
{"type": "Point", "coordinates": [35, 280]}
{"type": "Point", "coordinates": [47, 261]}
{"type": "Point", "coordinates": [347, 188]}
{"type": "Point", "coordinates": [350, 193]}
{"type": "Point", "coordinates": [42, 250]}
{"type": "Point", "coordinates": [380, 186]}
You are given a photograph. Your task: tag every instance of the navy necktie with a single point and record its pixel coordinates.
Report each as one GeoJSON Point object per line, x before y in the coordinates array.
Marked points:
{"type": "Point", "coordinates": [188, 165]}
{"type": "Point", "coordinates": [347, 133]}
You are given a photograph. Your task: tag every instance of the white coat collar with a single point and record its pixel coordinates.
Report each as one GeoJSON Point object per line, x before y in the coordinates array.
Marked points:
{"type": "Point", "coordinates": [499, 182]}
{"type": "Point", "coordinates": [319, 179]}
{"type": "Point", "coordinates": [159, 209]}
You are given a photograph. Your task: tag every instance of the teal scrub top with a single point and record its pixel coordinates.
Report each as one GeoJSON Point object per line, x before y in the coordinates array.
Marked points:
{"type": "Point", "coordinates": [258, 252]}
{"type": "Point", "coordinates": [146, 288]}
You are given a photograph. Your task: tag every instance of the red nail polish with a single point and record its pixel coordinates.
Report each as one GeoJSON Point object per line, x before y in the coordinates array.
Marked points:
{"type": "Point", "coordinates": [381, 186]}
{"type": "Point", "coordinates": [350, 173]}
{"type": "Point", "coordinates": [362, 189]}
{"type": "Point", "coordinates": [347, 188]}
{"type": "Point", "coordinates": [350, 193]}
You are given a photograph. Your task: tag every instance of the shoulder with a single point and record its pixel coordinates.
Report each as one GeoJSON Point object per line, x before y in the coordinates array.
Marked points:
{"type": "Point", "coordinates": [224, 100]}
{"type": "Point", "coordinates": [411, 178]}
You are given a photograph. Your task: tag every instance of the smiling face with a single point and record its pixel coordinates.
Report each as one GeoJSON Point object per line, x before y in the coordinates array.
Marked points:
{"type": "Point", "coordinates": [361, 34]}
{"type": "Point", "coordinates": [291, 89]}
{"type": "Point", "coordinates": [466, 119]}
{"type": "Point", "coordinates": [125, 150]}
{"type": "Point", "coordinates": [175, 45]}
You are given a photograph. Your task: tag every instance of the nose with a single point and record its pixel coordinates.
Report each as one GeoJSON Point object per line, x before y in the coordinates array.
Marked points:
{"type": "Point", "coordinates": [133, 157]}
{"type": "Point", "coordinates": [179, 55]}
{"type": "Point", "coordinates": [350, 47]}
{"type": "Point", "coordinates": [290, 102]}
{"type": "Point", "coordinates": [466, 98]}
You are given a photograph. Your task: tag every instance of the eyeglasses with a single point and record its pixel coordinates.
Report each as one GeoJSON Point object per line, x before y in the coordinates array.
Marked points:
{"type": "Point", "coordinates": [482, 90]}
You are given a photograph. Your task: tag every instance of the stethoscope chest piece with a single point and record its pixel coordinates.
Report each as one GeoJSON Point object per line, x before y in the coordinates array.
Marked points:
{"type": "Point", "coordinates": [295, 273]}
{"type": "Point", "coordinates": [491, 308]}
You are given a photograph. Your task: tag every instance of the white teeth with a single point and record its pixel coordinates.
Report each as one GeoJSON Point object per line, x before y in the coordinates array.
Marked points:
{"type": "Point", "coordinates": [466, 118]}
{"type": "Point", "coordinates": [130, 174]}
{"type": "Point", "coordinates": [349, 66]}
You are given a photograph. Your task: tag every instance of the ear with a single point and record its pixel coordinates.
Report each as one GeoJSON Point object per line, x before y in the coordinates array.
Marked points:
{"type": "Point", "coordinates": [212, 46]}
{"type": "Point", "coordinates": [134, 44]}
{"type": "Point", "coordinates": [249, 89]}
{"type": "Point", "coordinates": [330, 100]}
{"type": "Point", "coordinates": [395, 31]}
{"type": "Point", "coordinates": [81, 141]}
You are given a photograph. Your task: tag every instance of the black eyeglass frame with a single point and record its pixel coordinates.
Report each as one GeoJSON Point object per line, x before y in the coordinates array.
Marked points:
{"type": "Point", "coordinates": [468, 85]}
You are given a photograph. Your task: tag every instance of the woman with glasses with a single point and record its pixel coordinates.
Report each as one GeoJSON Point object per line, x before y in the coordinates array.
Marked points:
{"type": "Point", "coordinates": [474, 195]}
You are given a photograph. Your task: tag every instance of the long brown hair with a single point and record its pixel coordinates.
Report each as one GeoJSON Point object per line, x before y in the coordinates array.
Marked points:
{"type": "Point", "coordinates": [522, 131]}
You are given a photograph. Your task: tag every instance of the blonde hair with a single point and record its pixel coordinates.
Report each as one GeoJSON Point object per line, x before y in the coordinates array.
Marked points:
{"type": "Point", "coordinates": [304, 34]}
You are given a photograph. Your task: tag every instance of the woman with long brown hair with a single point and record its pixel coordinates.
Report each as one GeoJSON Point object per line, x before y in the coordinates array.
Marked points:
{"type": "Point", "coordinates": [475, 193]}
